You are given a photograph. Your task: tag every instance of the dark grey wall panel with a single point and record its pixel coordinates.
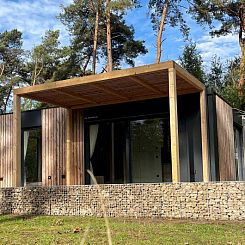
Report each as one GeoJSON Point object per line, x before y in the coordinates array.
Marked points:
{"type": "Point", "coordinates": [31, 119]}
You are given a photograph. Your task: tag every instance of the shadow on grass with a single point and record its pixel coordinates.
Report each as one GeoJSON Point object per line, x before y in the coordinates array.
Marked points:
{"type": "Point", "coordinates": [11, 217]}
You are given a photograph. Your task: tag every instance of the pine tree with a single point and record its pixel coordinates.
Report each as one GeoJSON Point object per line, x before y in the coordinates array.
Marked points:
{"type": "Point", "coordinates": [191, 60]}
{"type": "Point", "coordinates": [11, 65]}
{"type": "Point", "coordinates": [215, 78]}
{"type": "Point", "coordinates": [231, 18]}
{"type": "Point", "coordinates": [116, 47]}
{"type": "Point", "coordinates": [162, 13]}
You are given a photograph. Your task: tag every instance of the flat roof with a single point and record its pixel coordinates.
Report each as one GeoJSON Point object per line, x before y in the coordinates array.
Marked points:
{"type": "Point", "coordinates": [119, 86]}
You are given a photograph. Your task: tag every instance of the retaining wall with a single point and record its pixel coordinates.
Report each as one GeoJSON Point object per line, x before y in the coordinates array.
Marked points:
{"type": "Point", "coordinates": [203, 201]}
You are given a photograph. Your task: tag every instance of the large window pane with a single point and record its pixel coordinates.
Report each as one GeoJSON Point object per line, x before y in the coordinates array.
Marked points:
{"type": "Point", "coordinates": [32, 156]}
{"type": "Point", "coordinates": [150, 161]}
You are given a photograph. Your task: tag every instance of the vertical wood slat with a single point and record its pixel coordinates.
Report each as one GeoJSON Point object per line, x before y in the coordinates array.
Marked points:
{"type": "Point", "coordinates": [226, 147]}
{"type": "Point", "coordinates": [10, 148]}
{"type": "Point", "coordinates": [81, 147]}
{"type": "Point", "coordinates": [17, 140]}
{"type": "Point", "coordinates": [53, 148]}
{"type": "Point", "coordinates": [4, 156]}
{"type": "Point", "coordinates": [78, 150]}
{"type": "Point", "coordinates": [57, 135]}
{"type": "Point", "coordinates": [1, 150]}
{"type": "Point", "coordinates": [49, 181]}
{"type": "Point", "coordinates": [54, 145]}
{"type": "Point", "coordinates": [6, 151]}
{"type": "Point", "coordinates": [62, 144]}
{"type": "Point", "coordinates": [174, 125]}
{"type": "Point", "coordinates": [69, 159]}
{"type": "Point", "coordinates": [43, 148]}
{"type": "Point", "coordinates": [204, 137]}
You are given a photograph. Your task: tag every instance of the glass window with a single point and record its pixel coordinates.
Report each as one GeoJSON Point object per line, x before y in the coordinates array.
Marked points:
{"type": "Point", "coordinates": [238, 154]}
{"type": "Point", "coordinates": [32, 156]}
{"type": "Point", "coordinates": [131, 151]}
{"type": "Point", "coordinates": [150, 151]}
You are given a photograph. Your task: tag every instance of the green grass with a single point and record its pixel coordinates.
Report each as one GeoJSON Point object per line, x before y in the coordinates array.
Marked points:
{"type": "Point", "coordinates": [60, 230]}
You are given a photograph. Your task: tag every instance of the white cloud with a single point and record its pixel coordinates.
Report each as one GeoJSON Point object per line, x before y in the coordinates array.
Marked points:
{"type": "Point", "coordinates": [32, 18]}
{"type": "Point", "coordinates": [225, 47]}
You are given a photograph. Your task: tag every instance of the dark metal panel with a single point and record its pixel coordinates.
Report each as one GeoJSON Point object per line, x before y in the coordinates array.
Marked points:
{"type": "Point", "coordinates": [31, 119]}
{"type": "Point", "coordinates": [189, 111]}
{"type": "Point", "coordinates": [127, 110]}
{"type": "Point", "coordinates": [212, 135]}
{"type": "Point", "coordinates": [189, 114]}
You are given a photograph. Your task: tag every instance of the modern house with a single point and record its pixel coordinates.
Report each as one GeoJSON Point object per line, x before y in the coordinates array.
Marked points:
{"type": "Point", "coordinates": [149, 124]}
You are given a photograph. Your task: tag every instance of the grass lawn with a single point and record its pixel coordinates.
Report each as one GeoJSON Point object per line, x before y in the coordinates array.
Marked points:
{"type": "Point", "coordinates": [61, 230]}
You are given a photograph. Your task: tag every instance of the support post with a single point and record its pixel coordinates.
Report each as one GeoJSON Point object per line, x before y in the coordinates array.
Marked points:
{"type": "Point", "coordinates": [17, 141]}
{"type": "Point", "coordinates": [174, 125]}
{"type": "Point", "coordinates": [69, 147]}
{"type": "Point", "coordinates": [204, 135]}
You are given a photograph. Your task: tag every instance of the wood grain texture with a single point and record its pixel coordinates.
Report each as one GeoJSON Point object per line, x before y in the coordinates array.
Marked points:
{"type": "Point", "coordinates": [204, 137]}
{"type": "Point", "coordinates": [17, 141]}
{"type": "Point", "coordinates": [6, 151]}
{"type": "Point", "coordinates": [54, 147]}
{"type": "Point", "coordinates": [134, 84]}
{"type": "Point", "coordinates": [174, 126]}
{"type": "Point", "coordinates": [226, 148]}
{"type": "Point", "coordinates": [69, 143]}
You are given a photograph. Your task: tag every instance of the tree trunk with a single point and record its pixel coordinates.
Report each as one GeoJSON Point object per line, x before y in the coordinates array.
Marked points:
{"type": "Point", "coordinates": [108, 36]}
{"type": "Point", "coordinates": [96, 30]}
{"type": "Point", "coordinates": [160, 31]}
{"type": "Point", "coordinates": [5, 103]}
{"type": "Point", "coordinates": [242, 66]}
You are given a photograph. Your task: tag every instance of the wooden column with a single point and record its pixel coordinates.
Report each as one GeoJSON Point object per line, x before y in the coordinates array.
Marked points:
{"type": "Point", "coordinates": [204, 135]}
{"type": "Point", "coordinates": [17, 141]}
{"type": "Point", "coordinates": [69, 147]}
{"type": "Point", "coordinates": [174, 125]}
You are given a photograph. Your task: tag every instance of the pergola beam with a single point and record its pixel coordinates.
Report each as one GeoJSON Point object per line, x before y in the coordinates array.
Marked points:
{"type": "Point", "coordinates": [96, 78]}
{"type": "Point", "coordinates": [109, 91]}
{"type": "Point", "coordinates": [76, 96]}
{"type": "Point", "coordinates": [45, 101]}
{"type": "Point", "coordinates": [204, 136]}
{"type": "Point", "coordinates": [17, 141]}
{"type": "Point", "coordinates": [145, 85]}
{"type": "Point", "coordinates": [188, 77]}
{"type": "Point", "coordinates": [174, 126]}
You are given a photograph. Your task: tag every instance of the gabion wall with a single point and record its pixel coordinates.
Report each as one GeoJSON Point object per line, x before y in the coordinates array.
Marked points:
{"type": "Point", "coordinates": [203, 201]}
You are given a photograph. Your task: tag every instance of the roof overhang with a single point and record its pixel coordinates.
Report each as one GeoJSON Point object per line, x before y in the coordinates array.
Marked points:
{"type": "Point", "coordinates": [133, 84]}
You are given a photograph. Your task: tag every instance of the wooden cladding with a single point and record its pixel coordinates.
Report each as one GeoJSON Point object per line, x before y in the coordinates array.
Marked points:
{"type": "Point", "coordinates": [225, 133]}
{"type": "Point", "coordinates": [77, 147]}
{"type": "Point", "coordinates": [6, 151]}
{"type": "Point", "coordinates": [54, 148]}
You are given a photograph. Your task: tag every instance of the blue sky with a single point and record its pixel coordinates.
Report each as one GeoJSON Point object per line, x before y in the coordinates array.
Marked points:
{"type": "Point", "coordinates": [34, 17]}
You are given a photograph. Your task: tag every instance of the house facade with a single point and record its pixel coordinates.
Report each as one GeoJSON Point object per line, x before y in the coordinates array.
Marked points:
{"type": "Point", "coordinates": [150, 124]}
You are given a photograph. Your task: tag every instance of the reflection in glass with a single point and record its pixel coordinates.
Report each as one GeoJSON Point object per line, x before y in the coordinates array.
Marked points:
{"type": "Point", "coordinates": [32, 156]}
{"type": "Point", "coordinates": [150, 161]}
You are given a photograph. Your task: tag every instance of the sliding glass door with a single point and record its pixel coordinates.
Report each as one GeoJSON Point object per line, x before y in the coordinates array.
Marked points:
{"type": "Point", "coordinates": [107, 152]}
{"type": "Point", "coordinates": [128, 151]}
{"type": "Point", "coordinates": [149, 161]}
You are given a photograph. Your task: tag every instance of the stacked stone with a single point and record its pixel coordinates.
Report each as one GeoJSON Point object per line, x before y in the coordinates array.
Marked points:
{"type": "Point", "coordinates": [199, 201]}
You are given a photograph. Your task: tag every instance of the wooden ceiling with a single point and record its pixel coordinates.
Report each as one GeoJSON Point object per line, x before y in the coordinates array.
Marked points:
{"type": "Point", "coordinates": [134, 84]}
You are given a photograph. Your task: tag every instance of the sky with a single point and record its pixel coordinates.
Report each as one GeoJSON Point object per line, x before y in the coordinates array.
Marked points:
{"type": "Point", "coordinates": [34, 17]}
